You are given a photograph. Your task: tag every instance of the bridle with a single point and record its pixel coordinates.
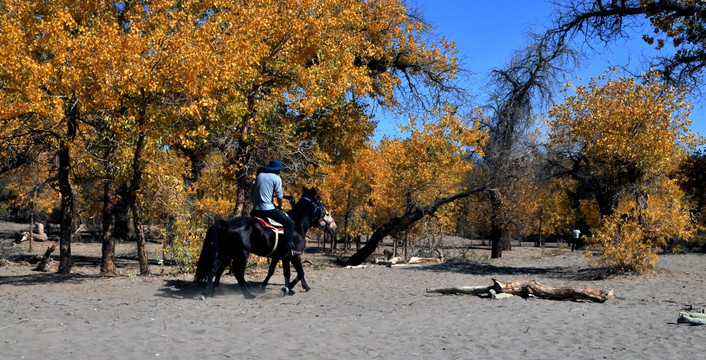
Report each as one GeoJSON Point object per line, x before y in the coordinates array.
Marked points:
{"type": "Point", "coordinates": [319, 209]}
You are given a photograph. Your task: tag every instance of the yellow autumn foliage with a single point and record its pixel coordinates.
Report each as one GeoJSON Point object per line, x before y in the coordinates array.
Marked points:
{"type": "Point", "coordinates": [30, 188]}
{"type": "Point", "coordinates": [386, 180]}
{"type": "Point", "coordinates": [629, 239]}
{"type": "Point", "coordinates": [631, 136]}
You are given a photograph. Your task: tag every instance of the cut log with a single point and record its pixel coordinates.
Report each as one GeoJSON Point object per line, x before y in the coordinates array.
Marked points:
{"type": "Point", "coordinates": [526, 288]}
{"type": "Point", "coordinates": [45, 259]}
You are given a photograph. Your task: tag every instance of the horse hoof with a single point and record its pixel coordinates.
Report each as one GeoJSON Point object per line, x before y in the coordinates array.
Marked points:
{"type": "Point", "coordinates": [307, 289]}
{"type": "Point", "coordinates": [288, 291]}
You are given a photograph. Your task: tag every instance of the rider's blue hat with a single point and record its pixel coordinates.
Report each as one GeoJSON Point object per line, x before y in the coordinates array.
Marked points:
{"type": "Point", "coordinates": [274, 165]}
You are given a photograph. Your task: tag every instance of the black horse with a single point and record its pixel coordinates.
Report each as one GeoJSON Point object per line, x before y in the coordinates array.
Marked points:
{"type": "Point", "coordinates": [329, 225]}
{"type": "Point", "coordinates": [234, 240]}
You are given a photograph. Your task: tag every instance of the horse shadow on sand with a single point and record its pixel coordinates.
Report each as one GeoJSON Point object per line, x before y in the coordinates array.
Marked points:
{"type": "Point", "coordinates": [189, 289]}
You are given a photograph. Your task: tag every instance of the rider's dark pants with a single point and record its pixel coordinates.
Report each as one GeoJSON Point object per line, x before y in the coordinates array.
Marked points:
{"type": "Point", "coordinates": [281, 218]}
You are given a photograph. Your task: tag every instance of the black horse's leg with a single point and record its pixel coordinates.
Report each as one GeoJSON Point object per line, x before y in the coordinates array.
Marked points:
{"type": "Point", "coordinates": [221, 268]}
{"type": "Point", "coordinates": [287, 274]}
{"type": "Point", "coordinates": [208, 290]}
{"type": "Point", "coordinates": [297, 262]}
{"type": "Point", "coordinates": [239, 263]}
{"type": "Point", "coordinates": [273, 265]}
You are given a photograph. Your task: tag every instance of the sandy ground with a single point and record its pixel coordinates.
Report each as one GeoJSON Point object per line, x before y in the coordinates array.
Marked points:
{"type": "Point", "coordinates": [363, 313]}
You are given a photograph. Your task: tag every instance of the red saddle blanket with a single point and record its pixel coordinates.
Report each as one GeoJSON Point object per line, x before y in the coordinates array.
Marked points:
{"type": "Point", "coordinates": [266, 223]}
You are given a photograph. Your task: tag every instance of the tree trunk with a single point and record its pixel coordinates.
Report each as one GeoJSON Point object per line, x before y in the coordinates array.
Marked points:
{"type": "Point", "coordinates": [506, 239]}
{"type": "Point", "coordinates": [395, 245]}
{"type": "Point", "coordinates": [31, 228]}
{"type": "Point", "coordinates": [540, 241]}
{"type": "Point", "coordinates": [141, 243]}
{"type": "Point", "coordinates": [402, 223]}
{"type": "Point", "coordinates": [496, 232]}
{"type": "Point", "coordinates": [121, 213]}
{"type": "Point", "coordinates": [108, 241]}
{"type": "Point", "coordinates": [132, 201]}
{"type": "Point", "coordinates": [134, 187]}
{"type": "Point", "coordinates": [108, 225]}
{"type": "Point", "coordinates": [370, 245]}
{"type": "Point", "coordinates": [243, 155]}
{"type": "Point", "coordinates": [68, 200]}
{"type": "Point", "coordinates": [406, 245]}
{"type": "Point", "coordinates": [241, 197]}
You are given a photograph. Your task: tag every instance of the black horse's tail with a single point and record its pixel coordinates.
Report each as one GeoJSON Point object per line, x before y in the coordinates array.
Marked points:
{"type": "Point", "coordinates": [209, 252]}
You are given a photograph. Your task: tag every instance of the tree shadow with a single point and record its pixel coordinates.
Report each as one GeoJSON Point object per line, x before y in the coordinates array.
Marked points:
{"type": "Point", "coordinates": [39, 278]}
{"type": "Point", "coordinates": [571, 273]}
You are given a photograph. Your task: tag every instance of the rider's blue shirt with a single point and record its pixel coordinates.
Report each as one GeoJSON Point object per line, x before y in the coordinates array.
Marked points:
{"type": "Point", "coordinates": [265, 187]}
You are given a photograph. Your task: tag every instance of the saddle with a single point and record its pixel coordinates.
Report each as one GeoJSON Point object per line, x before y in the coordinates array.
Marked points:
{"type": "Point", "coordinates": [277, 228]}
{"type": "Point", "coordinates": [271, 224]}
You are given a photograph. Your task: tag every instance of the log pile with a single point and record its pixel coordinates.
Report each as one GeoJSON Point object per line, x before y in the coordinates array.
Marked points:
{"type": "Point", "coordinates": [526, 288]}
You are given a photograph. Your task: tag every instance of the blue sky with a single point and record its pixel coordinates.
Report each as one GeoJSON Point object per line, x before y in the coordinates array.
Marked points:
{"type": "Point", "coordinates": [487, 32]}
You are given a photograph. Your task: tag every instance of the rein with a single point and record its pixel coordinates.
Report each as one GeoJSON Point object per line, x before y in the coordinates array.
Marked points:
{"type": "Point", "coordinates": [316, 206]}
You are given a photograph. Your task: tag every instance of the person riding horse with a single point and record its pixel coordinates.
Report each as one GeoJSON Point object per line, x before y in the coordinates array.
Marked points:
{"type": "Point", "coordinates": [266, 188]}
{"type": "Point", "coordinates": [233, 240]}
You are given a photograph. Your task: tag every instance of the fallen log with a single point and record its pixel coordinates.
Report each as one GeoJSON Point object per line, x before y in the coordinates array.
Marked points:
{"type": "Point", "coordinates": [421, 260]}
{"type": "Point", "coordinates": [465, 290]}
{"type": "Point", "coordinates": [526, 288]}
{"type": "Point", "coordinates": [694, 318]}
{"type": "Point", "coordinates": [22, 236]}
{"type": "Point", "coordinates": [388, 262]}
{"type": "Point", "coordinates": [495, 296]}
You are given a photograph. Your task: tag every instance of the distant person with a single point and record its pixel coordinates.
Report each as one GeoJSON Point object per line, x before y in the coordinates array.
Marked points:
{"type": "Point", "coordinates": [575, 237]}
{"type": "Point", "coordinates": [267, 198]}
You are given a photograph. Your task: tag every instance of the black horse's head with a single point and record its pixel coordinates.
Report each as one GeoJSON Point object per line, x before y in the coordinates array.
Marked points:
{"type": "Point", "coordinates": [319, 215]}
